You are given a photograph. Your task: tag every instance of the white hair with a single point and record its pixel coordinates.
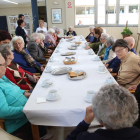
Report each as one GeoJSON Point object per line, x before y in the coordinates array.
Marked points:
{"type": "Point", "coordinates": [110, 40]}
{"type": "Point", "coordinates": [105, 35]}
{"type": "Point", "coordinates": [91, 27]}
{"type": "Point", "coordinates": [34, 36]}
{"type": "Point", "coordinates": [104, 30]}
{"type": "Point", "coordinates": [115, 107]}
{"type": "Point", "coordinates": [14, 39]}
{"type": "Point", "coordinates": [51, 30]}
{"type": "Point", "coordinates": [41, 36]}
{"type": "Point", "coordinates": [57, 29]}
{"type": "Point", "coordinates": [70, 27]}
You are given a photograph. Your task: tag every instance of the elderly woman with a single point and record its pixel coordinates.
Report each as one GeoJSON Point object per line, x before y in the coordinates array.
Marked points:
{"type": "Point", "coordinates": [109, 54]}
{"type": "Point", "coordinates": [12, 102]}
{"type": "Point", "coordinates": [99, 48]}
{"type": "Point", "coordinates": [90, 37]}
{"type": "Point", "coordinates": [23, 57]}
{"type": "Point", "coordinates": [5, 37]}
{"type": "Point", "coordinates": [41, 27]}
{"type": "Point", "coordinates": [36, 48]}
{"type": "Point", "coordinates": [129, 71]}
{"type": "Point", "coordinates": [116, 109]}
{"type": "Point", "coordinates": [49, 38]}
{"type": "Point", "coordinates": [57, 33]}
{"type": "Point", "coordinates": [97, 34]}
{"type": "Point", "coordinates": [71, 32]}
{"type": "Point", "coordinates": [24, 79]}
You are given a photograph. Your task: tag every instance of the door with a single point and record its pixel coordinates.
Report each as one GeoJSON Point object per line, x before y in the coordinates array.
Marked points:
{"type": "Point", "coordinates": [3, 23]}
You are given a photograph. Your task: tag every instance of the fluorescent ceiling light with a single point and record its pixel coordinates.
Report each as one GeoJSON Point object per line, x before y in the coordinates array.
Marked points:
{"type": "Point", "coordinates": [10, 1]}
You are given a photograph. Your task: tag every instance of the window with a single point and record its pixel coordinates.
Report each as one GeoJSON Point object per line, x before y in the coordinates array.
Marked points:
{"type": "Point", "coordinates": [107, 12]}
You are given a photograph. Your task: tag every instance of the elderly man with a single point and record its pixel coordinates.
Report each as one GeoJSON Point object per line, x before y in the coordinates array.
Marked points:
{"type": "Point", "coordinates": [71, 32]}
{"type": "Point", "coordinates": [113, 65]}
{"type": "Point", "coordinates": [36, 48]}
{"type": "Point", "coordinates": [99, 47]}
{"type": "Point", "coordinates": [57, 33]}
{"type": "Point", "coordinates": [116, 109]}
{"type": "Point", "coordinates": [129, 71]}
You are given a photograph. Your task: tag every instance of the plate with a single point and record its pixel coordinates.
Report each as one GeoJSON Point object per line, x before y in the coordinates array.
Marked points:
{"type": "Point", "coordinates": [78, 77]}
{"type": "Point", "coordinates": [95, 59]}
{"type": "Point", "coordinates": [56, 98]}
{"type": "Point", "coordinates": [89, 101]}
{"type": "Point", "coordinates": [75, 45]}
{"type": "Point", "coordinates": [62, 70]}
{"type": "Point", "coordinates": [102, 72]}
{"type": "Point", "coordinates": [72, 48]}
{"type": "Point", "coordinates": [68, 53]}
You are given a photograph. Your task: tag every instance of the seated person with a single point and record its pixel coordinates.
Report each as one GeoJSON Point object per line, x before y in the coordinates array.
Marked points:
{"type": "Point", "coordinates": [24, 79]}
{"type": "Point", "coordinates": [49, 39]}
{"type": "Point", "coordinates": [23, 57]}
{"type": "Point", "coordinates": [129, 71]}
{"type": "Point", "coordinates": [97, 34]}
{"type": "Point", "coordinates": [41, 27]}
{"type": "Point", "coordinates": [71, 32]}
{"type": "Point", "coordinates": [109, 54]}
{"type": "Point", "coordinates": [116, 109]}
{"type": "Point", "coordinates": [12, 102]}
{"type": "Point", "coordinates": [5, 37]}
{"type": "Point", "coordinates": [90, 37]}
{"type": "Point", "coordinates": [36, 48]}
{"type": "Point", "coordinates": [57, 32]}
{"type": "Point", "coordinates": [114, 64]}
{"type": "Point", "coordinates": [80, 22]}
{"type": "Point", "coordinates": [99, 48]}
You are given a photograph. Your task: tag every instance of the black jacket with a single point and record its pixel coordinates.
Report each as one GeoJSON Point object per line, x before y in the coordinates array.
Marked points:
{"type": "Point", "coordinates": [36, 51]}
{"type": "Point", "coordinates": [73, 33]}
{"type": "Point", "coordinates": [81, 133]}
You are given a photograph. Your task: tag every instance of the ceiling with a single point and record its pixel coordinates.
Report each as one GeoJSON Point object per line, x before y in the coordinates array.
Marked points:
{"type": "Point", "coordinates": [18, 1]}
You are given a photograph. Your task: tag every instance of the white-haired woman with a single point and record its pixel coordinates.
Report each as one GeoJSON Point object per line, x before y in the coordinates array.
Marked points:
{"type": "Point", "coordinates": [116, 109]}
{"type": "Point", "coordinates": [90, 37]}
{"type": "Point", "coordinates": [99, 48]}
{"type": "Point", "coordinates": [41, 27]}
{"type": "Point", "coordinates": [109, 54]}
{"type": "Point", "coordinates": [49, 38]}
{"type": "Point", "coordinates": [71, 32]}
{"type": "Point", "coordinates": [23, 57]}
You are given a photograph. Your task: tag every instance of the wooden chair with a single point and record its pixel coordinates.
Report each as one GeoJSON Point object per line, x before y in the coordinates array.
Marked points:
{"type": "Point", "coordinates": [35, 130]}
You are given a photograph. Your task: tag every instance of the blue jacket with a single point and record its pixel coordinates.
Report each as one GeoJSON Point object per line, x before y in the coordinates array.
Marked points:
{"type": "Point", "coordinates": [115, 62]}
{"type": "Point", "coordinates": [12, 102]}
{"type": "Point", "coordinates": [81, 133]}
{"type": "Point", "coordinates": [90, 38]}
{"type": "Point", "coordinates": [20, 59]}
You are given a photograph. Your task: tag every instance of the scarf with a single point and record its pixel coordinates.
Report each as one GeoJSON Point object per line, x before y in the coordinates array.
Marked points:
{"type": "Point", "coordinates": [30, 61]}
{"type": "Point", "coordinates": [107, 52]}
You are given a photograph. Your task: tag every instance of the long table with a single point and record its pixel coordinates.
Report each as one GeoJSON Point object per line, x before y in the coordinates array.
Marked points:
{"type": "Point", "coordinates": [69, 110]}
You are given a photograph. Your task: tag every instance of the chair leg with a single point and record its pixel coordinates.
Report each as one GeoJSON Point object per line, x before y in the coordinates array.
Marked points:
{"type": "Point", "coordinates": [35, 132]}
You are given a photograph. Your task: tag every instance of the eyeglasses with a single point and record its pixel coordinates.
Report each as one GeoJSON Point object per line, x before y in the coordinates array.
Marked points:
{"type": "Point", "coordinates": [118, 51]}
{"type": "Point", "coordinates": [4, 64]}
{"type": "Point", "coordinates": [101, 39]}
{"type": "Point", "coordinates": [16, 44]}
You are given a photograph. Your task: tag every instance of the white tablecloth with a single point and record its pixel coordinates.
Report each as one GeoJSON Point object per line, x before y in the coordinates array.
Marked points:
{"type": "Point", "coordinates": [69, 110]}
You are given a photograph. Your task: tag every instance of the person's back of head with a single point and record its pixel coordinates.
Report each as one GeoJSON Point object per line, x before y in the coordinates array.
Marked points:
{"type": "Point", "coordinates": [19, 22]}
{"type": "Point", "coordinates": [20, 16]}
{"type": "Point", "coordinates": [5, 37]}
{"type": "Point", "coordinates": [131, 41]}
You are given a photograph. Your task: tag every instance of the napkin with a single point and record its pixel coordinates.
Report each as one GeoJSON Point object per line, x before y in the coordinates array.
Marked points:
{"type": "Point", "coordinates": [41, 100]}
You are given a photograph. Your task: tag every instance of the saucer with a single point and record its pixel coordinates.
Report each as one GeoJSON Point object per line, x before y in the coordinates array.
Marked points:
{"type": "Point", "coordinates": [102, 72]}
{"type": "Point", "coordinates": [46, 86]}
{"type": "Point", "coordinates": [89, 101]}
{"type": "Point", "coordinates": [95, 59]}
{"type": "Point", "coordinates": [53, 99]}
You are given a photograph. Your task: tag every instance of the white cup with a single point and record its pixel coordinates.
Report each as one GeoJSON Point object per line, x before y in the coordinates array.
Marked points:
{"type": "Point", "coordinates": [87, 44]}
{"type": "Point", "coordinates": [90, 94]}
{"type": "Point", "coordinates": [96, 57]}
{"type": "Point", "coordinates": [52, 94]}
{"type": "Point", "coordinates": [46, 83]}
{"type": "Point", "coordinates": [48, 68]}
{"type": "Point", "coordinates": [101, 68]}
{"type": "Point", "coordinates": [90, 51]}
{"type": "Point", "coordinates": [109, 80]}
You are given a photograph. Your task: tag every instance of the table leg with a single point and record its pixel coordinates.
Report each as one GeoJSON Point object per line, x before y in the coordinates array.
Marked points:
{"type": "Point", "coordinates": [35, 132]}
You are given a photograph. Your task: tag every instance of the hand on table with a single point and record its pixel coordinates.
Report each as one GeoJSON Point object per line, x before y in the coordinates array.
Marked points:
{"type": "Point", "coordinates": [110, 70]}
{"type": "Point", "coordinates": [42, 68]}
{"type": "Point", "coordinates": [106, 65]}
{"type": "Point", "coordinates": [27, 94]}
{"type": "Point", "coordinates": [50, 51]}
{"type": "Point", "coordinates": [89, 115]}
{"type": "Point", "coordinates": [35, 78]}
{"type": "Point", "coordinates": [87, 47]}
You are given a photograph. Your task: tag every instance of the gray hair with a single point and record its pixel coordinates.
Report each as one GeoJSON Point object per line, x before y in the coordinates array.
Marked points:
{"type": "Point", "coordinates": [41, 36]}
{"type": "Point", "coordinates": [14, 39]}
{"type": "Point", "coordinates": [57, 29]}
{"type": "Point", "coordinates": [70, 27]}
{"type": "Point", "coordinates": [51, 30]}
{"type": "Point", "coordinates": [104, 30]}
{"type": "Point", "coordinates": [110, 40]}
{"type": "Point", "coordinates": [105, 35]}
{"type": "Point", "coordinates": [91, 27]}
{"type": "Point", "coordinates": [5, 50]}
{"type": "Point", "coordinates": [34, 36]}
{"type": "Point", "coordinates": [115, 107]}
